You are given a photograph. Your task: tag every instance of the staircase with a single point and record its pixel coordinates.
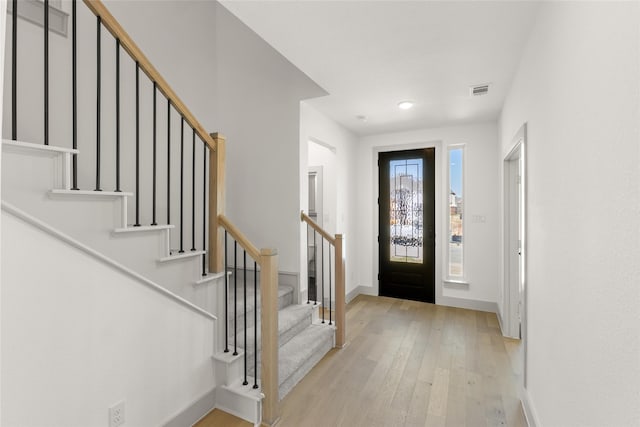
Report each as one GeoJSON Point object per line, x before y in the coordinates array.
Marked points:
{"type": "Point", "coordinates": [169, 234]}
{"type": "Point", "coordinates": [303, 340]}
{"type": "Point", "coordinates": [100, 221]}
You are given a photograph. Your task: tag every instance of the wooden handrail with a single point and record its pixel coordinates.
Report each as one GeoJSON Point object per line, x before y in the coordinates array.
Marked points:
{"type": "Point", "coordinates": [304, 217]}
{"type": "Point", "coordinates": [239, 237]}
{"type": "Point", "coordinates": [111, 24]}
{"type": "Point", "coordinates": [217, 170]}
{"type": "Point", "coordinates": [339, 271]}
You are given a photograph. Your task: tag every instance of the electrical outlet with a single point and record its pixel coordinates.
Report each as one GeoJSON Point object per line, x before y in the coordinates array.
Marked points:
{"type": "Point", "coordinates": [116, 415]}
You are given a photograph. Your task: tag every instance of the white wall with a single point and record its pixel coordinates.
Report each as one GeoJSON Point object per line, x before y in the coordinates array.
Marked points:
{"type": "Point", "coordinates": [481, 198]}
{"type": "Point", "coordinates": [314, 125]}
{"type": "Point", "coordinates": [73, 347]}
{"type": "Point", "coordinates": [259, 95]}
{"type": "Point", "coordinates": [163, 29]}
{"type": "Point", "coordinates": [325, 157]}
{"type": "Point", "coordinates": [577, 88]}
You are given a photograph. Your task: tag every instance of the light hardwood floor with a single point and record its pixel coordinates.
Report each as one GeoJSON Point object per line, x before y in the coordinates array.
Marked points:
{"type": "Point", "coordinates": [409, 364]}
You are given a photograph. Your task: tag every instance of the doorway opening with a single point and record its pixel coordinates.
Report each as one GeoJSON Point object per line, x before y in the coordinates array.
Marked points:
{"type": "Point", "coordinates": [322, 208]}
{"type": "Point", "coordinates": [406, 237]}
{"type": "Point", "coordinates": [514, 292]}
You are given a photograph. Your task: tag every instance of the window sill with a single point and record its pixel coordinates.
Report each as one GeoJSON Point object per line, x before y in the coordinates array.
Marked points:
{"type": "Point", "coordinates": [455, 282]}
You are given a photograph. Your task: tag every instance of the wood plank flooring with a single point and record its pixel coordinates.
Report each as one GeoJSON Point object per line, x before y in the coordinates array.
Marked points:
{"type": "Point", "coordinates": [408, 364]}
{"type": "Point", "coordinates": [218, 418]}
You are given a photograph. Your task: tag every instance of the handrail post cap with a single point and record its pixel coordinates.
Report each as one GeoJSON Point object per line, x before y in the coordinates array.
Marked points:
{"type": "Point", "coordinates": [218, 136]}
{"type": "Point", "coordinates": [268, 252]}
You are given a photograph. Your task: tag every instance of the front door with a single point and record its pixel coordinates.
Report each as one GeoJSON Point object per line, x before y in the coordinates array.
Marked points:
{"type": "Point", "coordinates": [407, 224]}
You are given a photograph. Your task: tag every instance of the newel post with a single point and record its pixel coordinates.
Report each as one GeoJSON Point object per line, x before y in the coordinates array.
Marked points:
{"type": "Point", "coordinates": [269, 329]}
{"type": "Point", "coordinates": [216, 202]}
{"type": "Point", "coordinates": [340, 292]}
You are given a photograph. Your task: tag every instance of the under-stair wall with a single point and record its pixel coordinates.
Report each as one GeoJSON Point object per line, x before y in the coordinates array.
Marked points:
{"type": "Point", "coordinates": [104, 337]}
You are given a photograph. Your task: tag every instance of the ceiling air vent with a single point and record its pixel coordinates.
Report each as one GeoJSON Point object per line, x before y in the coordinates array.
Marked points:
{"type": "Point", "coordinates": [479, 90]}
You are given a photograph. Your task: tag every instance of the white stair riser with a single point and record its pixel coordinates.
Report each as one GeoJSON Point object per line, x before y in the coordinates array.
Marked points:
{"type": "Point", "coordinates": [239, 404]}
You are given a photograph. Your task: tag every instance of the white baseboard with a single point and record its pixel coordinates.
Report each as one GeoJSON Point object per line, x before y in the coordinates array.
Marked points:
{"type": "Point", "coordinates": [365, 290]}
{"type": "Point", "coordinates": [499, 315]}
{"type": "Point", "coordinates": [488, 306]}
{"type": "Point", "coordinates": [195, 411]}
{"type": "Point", "coordinates": [530, 413]}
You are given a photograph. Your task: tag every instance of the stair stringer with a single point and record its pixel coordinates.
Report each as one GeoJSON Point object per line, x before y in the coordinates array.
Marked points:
{"type": "Point", "coordinates": [35, 179]}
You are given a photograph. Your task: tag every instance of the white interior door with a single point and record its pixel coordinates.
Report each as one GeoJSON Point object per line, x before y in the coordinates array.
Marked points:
{"type": "Point", "coordinates": [513, 247]}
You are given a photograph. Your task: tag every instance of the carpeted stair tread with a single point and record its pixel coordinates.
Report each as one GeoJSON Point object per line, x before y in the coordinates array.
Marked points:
{"type": "Point", "coordinates": [284, 291]}
{"type": "Point", "coordinates": [285, 298]}
{"type": "Point", "coordinates": [301, 353]}
{"type": "Point", "coordinates": [291, 320]}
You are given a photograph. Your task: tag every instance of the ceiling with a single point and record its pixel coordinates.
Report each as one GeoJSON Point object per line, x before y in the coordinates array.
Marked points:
{"type": "Point", "coordinates": [370, 55]}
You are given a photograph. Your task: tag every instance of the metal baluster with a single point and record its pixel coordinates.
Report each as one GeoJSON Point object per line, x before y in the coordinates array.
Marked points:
{"type": "Point", "coordinates": [204, 208]}
{"type": "Point", "coordinates": [168, 161]}
{"type": "Point", "coordinates": [153, 191]}
{"type": "Point", "coordinates": [14, 72]}
{"type": "Point", "coordinates": [46, 71]}
{"type": "Point", "coordinates": [74, 93]}
{"type": "Point", "coordinates": [117, 115]}
{"type": "Point", "coordinates": [255, 325]}
{"type": "Point", "coordinates": [308, 272]}
{"type": "Point", "coordinates": [244, 264]}
{"type": "Point", "coordinates": [226, 297]}
{"type": "Point", "coordinates": [329, 245]}
{"type": "Point", "coordinates": [193, 192]}
{"type": "Point", "coordinates": [235, 297]}
{"type": "Point", "coordinates": [315, 269]}
{"type": "Point", "coordinates": [181, 185]}
{"type": "Point", "coordinates": [322, 269]}
{"type": "Point", "coordinates": [137, 224]}
{"type": "Point", "coordinates": [98, 87]}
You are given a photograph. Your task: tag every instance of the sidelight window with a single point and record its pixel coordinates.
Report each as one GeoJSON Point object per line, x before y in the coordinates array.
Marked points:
{"type": "Point", "coordinates": [455, 213]}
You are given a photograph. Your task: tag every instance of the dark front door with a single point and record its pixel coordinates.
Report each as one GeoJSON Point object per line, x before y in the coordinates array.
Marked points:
{"type": "Point", "coordinates": [407, 224]}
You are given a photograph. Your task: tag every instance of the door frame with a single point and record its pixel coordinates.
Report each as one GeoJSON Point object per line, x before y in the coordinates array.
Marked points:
{"type": "Point", "coordinates": [319, 191]}
{"type": "Point", "coordinates": [514, 164]}
{"type": "Point", "coordinates": [437, 144]}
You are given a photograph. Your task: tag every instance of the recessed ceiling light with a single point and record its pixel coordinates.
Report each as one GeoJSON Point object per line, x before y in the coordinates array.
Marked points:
{"type": "Point", "coordinates": [405, 105]}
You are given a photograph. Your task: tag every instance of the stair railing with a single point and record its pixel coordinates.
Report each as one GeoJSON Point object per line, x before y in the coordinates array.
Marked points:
{"type": "Point", "coordinates": [180, 171]}
{"type": "Point", "coordinates": [334, 270]}
{"type": "Point", "coordinates": [210, 201]}
{"type": "Point", "coordinates": [265, 263]}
